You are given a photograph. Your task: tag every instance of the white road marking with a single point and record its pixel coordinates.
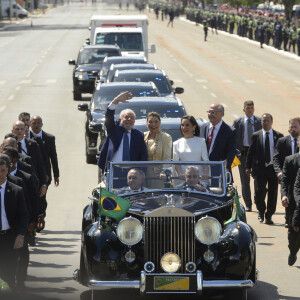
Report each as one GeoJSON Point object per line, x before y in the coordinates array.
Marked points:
{"type": "Point", "coordinates": [2, 82]}
{"type": "Point", "coordinates": [298, 88]}
{"type": "Point", "coordinates": [297, 81]}
{"type": "Point", "coordinates": [274, 81]}
{"type": "Point", "coordinates": [205, 87]}
{"type": "Point", "coordinates": [249, 81]}
{"type": "Point", "coordinates": [17, 88]}
{"type": "Point", "coordinates": [235, 116]}
{"type": "Point", "coordinates": [177, 80]}
{"type": "Point", "coordinates": [201, 80]}
{"type": "Point", "coordinates": [2, 108]}
{"type": "Point", "coordinates": [227, 80]}
{"type": "Point", "coordinates": [51, 81]}
{"type": "Point", "coordinates": [26, 81]}
{"type": "Point", "coordinates": [11, 97]}
{"type": "Point", "coordinates": [31, 71]}
{"type": "Point", "coordinates": [174, 59]}
{"type": "Point", "coordinates": [185, 70]}
{"type": "Point", "coordinates": [225, 105]}
{"type": "Point", "coordinates": [7, 42]}
{"type": "Point", "coordinates": [213, 95]}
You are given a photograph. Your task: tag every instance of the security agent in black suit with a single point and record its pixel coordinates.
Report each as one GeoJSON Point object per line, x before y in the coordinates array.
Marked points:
{"type": "Point", "coordinates": [32, 206]}
{"type": "Point", "coordinates": [245, 127]}
{"type": "Point", "coordinates": [220, 137]}
{"type": "Point", "coordinates": [289, 172]}
{"type": "Point", "coordinates": [286, 146]}
{"type": "Point", "coordinates": [48, 142]}
{"type": "Point", "coordinates": [296, 222]}
{"type": "Point", "coordinates": [13, 224]}
{"type": "Point", "coordinates": [31, 148]}
{"type": "Point", "coordinates": [259, 163]}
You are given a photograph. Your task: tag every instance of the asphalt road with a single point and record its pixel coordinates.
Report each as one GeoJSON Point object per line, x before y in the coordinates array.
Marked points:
{"type": "Point", "coordinates": [35, 77]}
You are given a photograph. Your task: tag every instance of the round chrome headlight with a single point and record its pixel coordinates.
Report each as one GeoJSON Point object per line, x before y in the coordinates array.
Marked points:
{"type": "Point", "coordinates": [130, 231]}
{"type": "Point", "coordinates": [208, 230]}
{"type": "Point", "coordinates": [170, 262]}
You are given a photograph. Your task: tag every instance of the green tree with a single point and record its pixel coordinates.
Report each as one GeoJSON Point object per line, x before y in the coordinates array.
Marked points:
{"type": "Point", "coordinates": [288, 7]}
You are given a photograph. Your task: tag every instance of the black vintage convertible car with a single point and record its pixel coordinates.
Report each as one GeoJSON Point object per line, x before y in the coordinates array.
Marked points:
{"type": "Point", "coordinates": [167, 227]}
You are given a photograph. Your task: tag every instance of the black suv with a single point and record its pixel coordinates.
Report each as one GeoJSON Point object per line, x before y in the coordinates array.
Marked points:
{"type": "Point", "coordinates": [87, 67]}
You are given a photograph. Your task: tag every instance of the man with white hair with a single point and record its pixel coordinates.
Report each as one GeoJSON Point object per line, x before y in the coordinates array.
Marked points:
{"type": "Point", "coordinates": [123, 142]}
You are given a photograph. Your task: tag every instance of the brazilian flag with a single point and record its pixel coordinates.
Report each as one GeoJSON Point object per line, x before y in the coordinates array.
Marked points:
{"type": "Point", "coordinates": [236, 211]}
{"type": "Point", "coordinates": [236, 162]}
{"type": "Point", "coordinates": [112, 205]}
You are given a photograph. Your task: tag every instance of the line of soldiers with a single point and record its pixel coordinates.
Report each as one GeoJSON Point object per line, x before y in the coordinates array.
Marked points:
{"type": "Point", "coordinates": [27, 160]}
{"type": "Point", "coordinates": [266, 31]}
{"type": "Point", "coordinates": [166, 9]}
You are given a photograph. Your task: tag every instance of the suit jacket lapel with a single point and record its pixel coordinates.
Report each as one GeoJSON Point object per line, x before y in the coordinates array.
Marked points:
{"type": "Point", "coordinates": [261, 141]}
{"type": "Point", "coordinates": [7, 199]}
{"type": "Point", "coordinates": [256, 124]}
{"type": "Point", "coordinates": [217, 139]}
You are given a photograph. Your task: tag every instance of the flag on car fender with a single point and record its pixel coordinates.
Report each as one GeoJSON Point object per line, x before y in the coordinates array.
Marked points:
{"type": "Point", "coordinates": [236, 162]}
{"type": "Point", "coordinates": [113, 206]}
{"type": "Point", "coordinates": [236, 210]}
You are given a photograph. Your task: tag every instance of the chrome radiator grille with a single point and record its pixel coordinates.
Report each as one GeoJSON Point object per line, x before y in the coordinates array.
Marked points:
{"type": "Point", "coordinates": [169, 234]}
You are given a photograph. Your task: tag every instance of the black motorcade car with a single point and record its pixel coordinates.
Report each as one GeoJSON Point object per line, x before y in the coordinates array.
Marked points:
{"type": "Point", "coordinates": [114, 67]}
{"type": "Point", "coordinates": [87, 67]}
{"type": "Point", "coordinates": [117, 60]}
{"type": "Point", "coordinates": [158, 77]}
{"type": "Point", "coordinates": [95, 110]}
{"type": "Point", "coordinates": [167, 235]}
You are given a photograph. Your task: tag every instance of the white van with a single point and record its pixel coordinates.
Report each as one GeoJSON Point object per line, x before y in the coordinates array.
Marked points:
{"type": "Point", "coordinates": [13, 9]}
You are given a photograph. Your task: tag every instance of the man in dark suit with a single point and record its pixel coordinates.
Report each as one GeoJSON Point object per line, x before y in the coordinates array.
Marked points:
{"type": "Point", "coordinates": [13, 224]}
{"type": "Point", "coordinates": [123, 142]}
{"type": "Point", "coordinates": [296, 218]}
{"type": "Point", "coordinates": [286, 146]}
{"type": "Point", "coordinates": [289, 172]}
{"type": "Point", "coordinates": [245, 127]}
{"type": "Point", "coordinates": [259, 163]}
{"type": "Point", "coordinates": [220, 137]}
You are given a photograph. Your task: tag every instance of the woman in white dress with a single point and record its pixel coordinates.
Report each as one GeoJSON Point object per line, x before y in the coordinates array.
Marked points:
{"type": "Point", "coordinates": [190, 147]}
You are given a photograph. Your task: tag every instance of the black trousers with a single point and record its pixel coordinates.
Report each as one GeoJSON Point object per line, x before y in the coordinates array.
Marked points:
{"type": "Point", "coordinates": [294, 240]}
{"type": "Point", "coordinates": [263, 184]}
{"type": "Point", "coordinates": [22, 262]}
{"type": "Point", "coordinates": [245, 179]}
{"type": "Point", "coordinates": [8, 258]}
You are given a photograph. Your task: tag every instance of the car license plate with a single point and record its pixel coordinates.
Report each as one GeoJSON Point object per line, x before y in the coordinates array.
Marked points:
{"type": "Point", "coordinates": [171, 283]}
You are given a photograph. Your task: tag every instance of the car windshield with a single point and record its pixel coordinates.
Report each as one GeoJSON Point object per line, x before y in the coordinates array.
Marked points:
{"type": "Point", "coordinates": [126, 41]}
{"type": "Point", "coordinates": [195, 177]}
{"type": "Point", "coordinates": [105, 95]}
{"type": "Point", "coordinates": [128, 60]}
{"type": "Point", "coordinates": [141, 109]}
{"type": "Point", "coordinates": [160, 81]}
{"type": "Point", "coordinates": [95, 56]}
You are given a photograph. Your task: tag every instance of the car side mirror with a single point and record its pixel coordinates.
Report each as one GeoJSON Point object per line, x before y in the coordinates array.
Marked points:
{"type": "Point", "coordinates": [72, 62]}
{"type": "Point", "coordinates": [152, 48]}
{"type": "Point", "coordinates": [88, 41]}
{"type": "Point", "coordinates": [96, 193]}
{"type": "Point", "coordinates": [171, 82]}
{"type": "Point", "coordinates": [95, 127]}
{"type": "Point", "coordinates": [179, 90]}
{"type": "Point", "coordinates": [83, 107]}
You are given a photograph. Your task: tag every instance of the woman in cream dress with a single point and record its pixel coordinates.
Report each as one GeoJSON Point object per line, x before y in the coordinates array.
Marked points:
{"type": "Point", "coordinates": [190, 147]}
{"type": "Point", "coordinates": [159, 146]}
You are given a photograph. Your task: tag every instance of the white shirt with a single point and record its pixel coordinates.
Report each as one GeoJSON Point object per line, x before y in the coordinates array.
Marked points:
{"type": "Point", "coordinates": [246, 143]}
{"type": "Point", "coordinates": [4, 220]}
{"type": "Point", "coordinates": [23, 145]}
{"type": "Point", "coordinates": [217, 128]}
{"type": "Point", "coordinates": [118, 155]}
{"type": "Point", "coordinates": [40, 134]}
{"type": "Point", "coordinates": [293, 144]}
{"type": "Point", "coordinates": [13, 173]}
{"type": "Point", "coordinates": [271, 139]}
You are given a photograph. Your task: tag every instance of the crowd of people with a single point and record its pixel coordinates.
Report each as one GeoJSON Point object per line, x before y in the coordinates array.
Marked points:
{"type": "Point", "coordinates": [265, 154]}
{"type": "Point", "coordinates": [28, 159]}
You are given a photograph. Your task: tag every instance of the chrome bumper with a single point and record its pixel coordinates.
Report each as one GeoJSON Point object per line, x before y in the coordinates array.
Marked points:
{"type": "Point", "coordinates": [141, 284]}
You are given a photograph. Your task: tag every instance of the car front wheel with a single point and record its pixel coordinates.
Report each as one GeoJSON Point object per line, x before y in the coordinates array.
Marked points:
{"type": "Point", "coordinates": [76, 94]}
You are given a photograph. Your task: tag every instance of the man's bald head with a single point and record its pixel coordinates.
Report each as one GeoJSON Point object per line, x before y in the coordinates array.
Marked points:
{"type": "Point", "coordinates": [10, 142]}
{"type": "Point", "coordinates": [36, 124]}
{"type": "Point", "coordinates": [19, 129]}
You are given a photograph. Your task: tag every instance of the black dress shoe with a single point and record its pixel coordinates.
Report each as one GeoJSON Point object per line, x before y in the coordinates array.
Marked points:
{"type": "Point", "coordinates": [292, 259]}
{"type": "Point", "coordinates": [260, 218]}
{"type": "Point", "coordinates": [286, 225]}
{"type": "Point", "coordinates": [269, 221]}
{"type": "Point", "coordinates": [249, 208]}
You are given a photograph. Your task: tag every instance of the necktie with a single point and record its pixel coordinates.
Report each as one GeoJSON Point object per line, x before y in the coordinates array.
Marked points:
{"type": "Point", "coordinates": [0, 209]}
{"type": "Point", "coordinates": [267, 149]}
{"type": "Point", "coordinates": [126, 150]}
{"type": "Point", "coordinates": [19, 147]}
{"type": "Point", "coordinates": [209, 139]}
{"type": "Point", "coordinates": [296, 148]}
{"type": "Point", "coordinates": [249, 130]}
